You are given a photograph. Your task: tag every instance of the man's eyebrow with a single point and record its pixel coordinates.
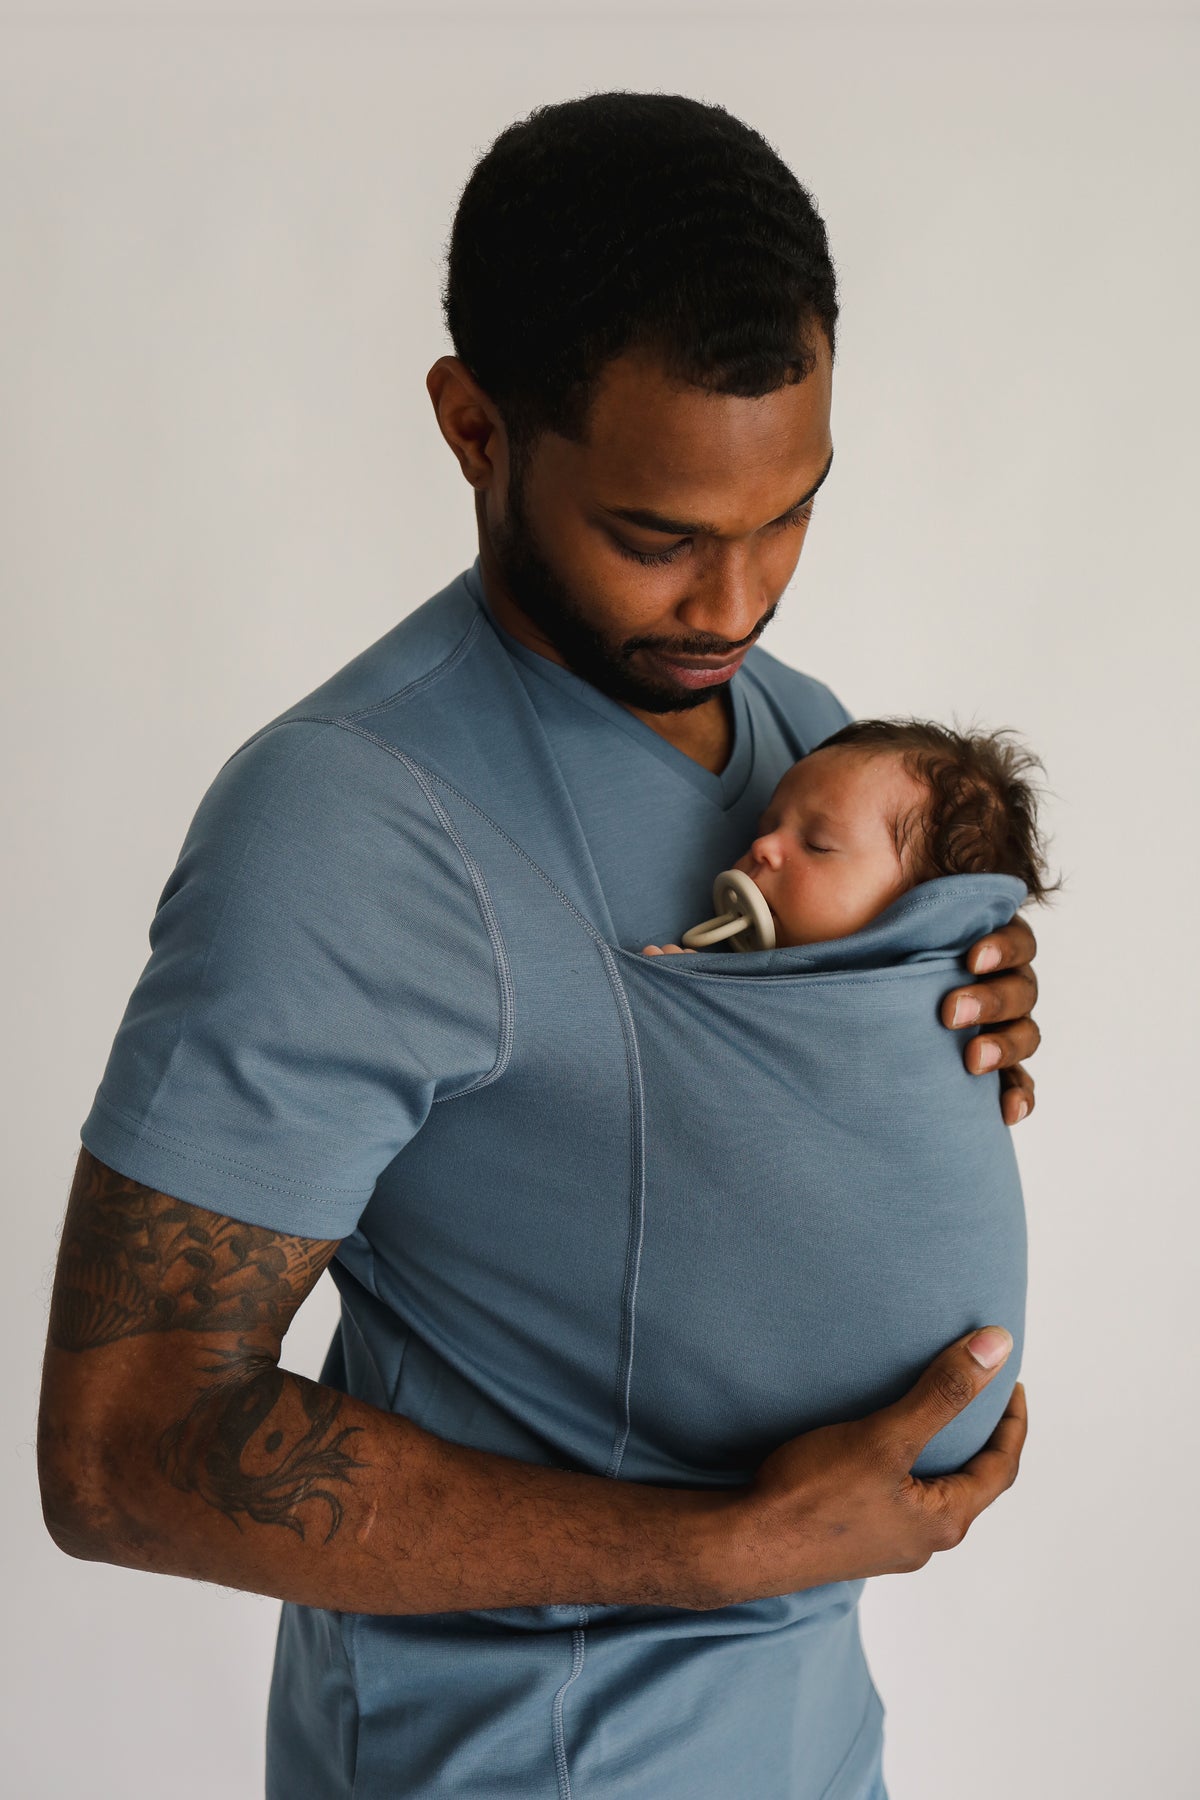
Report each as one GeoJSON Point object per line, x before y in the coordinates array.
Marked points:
{"type": "Point", "coordinates": [652, 521]}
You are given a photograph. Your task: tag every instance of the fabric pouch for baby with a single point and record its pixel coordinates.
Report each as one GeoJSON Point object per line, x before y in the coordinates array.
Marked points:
{"type": "Point", "coordinates": [830, 1197]}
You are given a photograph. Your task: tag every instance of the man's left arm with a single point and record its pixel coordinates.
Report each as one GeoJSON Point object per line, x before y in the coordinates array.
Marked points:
{"type": "Point", "coordinates": [1001, 1001]}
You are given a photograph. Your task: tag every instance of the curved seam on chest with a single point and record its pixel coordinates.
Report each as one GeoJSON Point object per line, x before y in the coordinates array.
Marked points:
{"type": "Point", "coordinates": [483, 900]}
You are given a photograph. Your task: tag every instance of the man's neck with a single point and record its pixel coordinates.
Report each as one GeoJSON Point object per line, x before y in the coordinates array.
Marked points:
{"type": "Point", "coordinates": [705, 733]}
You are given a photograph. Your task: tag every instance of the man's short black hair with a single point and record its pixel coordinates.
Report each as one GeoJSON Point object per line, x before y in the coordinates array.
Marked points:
{"type": "Point", "coordinates": [621, 221]}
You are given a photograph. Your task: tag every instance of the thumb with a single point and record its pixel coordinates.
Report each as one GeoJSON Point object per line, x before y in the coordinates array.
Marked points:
{"type": "Point", "coordinates": [946, 1388]}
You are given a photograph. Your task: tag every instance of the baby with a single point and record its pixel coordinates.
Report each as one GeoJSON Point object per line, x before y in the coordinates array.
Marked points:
{"type": "Point", "coordinates": [878, 807]}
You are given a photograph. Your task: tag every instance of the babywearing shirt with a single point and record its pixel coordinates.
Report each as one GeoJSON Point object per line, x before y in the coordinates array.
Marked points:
{"type": "Point", "coordinates": [395, 998]}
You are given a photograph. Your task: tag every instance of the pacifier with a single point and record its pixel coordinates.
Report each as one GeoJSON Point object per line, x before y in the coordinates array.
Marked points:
{"type": "Point", "coordinates": [742, 915]}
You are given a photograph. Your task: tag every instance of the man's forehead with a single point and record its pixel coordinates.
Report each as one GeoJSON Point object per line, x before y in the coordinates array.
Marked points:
{"type": "Point", "coordinates": [701, 459]}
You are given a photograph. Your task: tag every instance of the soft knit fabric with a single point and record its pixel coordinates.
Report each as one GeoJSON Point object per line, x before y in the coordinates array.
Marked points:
{"type": "Point", "coordinates": [646, 1217]}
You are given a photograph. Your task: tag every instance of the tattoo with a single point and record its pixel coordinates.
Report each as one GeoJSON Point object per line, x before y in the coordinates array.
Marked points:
{"type": "Point", "coordinates": [234, 1419]}
{"type": "Point", "coordinates": [256, 1442]}
{"type": "Point", "coordinates": [134, 1260]}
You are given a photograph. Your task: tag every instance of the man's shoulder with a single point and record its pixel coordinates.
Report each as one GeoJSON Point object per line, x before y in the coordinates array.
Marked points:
{"type": "Point", "coordinates": [417, 651]}
{"type": "Point", "coordinates": [320, 766]}
{"type": "Point", "coordinates": [804, 707]}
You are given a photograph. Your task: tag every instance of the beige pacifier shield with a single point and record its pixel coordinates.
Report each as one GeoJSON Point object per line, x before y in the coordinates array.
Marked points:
{"type": "Point", "coordinates": [742, 916]}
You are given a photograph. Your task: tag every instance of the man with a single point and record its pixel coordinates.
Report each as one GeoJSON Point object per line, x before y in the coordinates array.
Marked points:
{"type": "Point", "coordinates": [383, 1030]}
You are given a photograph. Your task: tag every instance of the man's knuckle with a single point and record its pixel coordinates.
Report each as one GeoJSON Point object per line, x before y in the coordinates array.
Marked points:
{"type": "Point", "coordinates": [953, 1387]}
{"type": "Point", "coordinates": [947, 1529]}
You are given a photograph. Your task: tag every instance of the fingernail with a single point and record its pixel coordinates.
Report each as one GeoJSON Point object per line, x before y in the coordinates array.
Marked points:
{"type": "Point", "coordinates": [989, 1055]}
{"type": "Point", "coordinates": [1022, 1109]}
{"type": "Point", "coordinates": [987, 960]}
{"type": "Point", "coordinates": [966, 1010]}
{"type": "Point", "coordinates": [990, 1346]}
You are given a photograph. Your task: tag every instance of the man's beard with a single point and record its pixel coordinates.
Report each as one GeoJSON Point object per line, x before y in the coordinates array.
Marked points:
{"type": "Point", "coordinates": [551, 607]}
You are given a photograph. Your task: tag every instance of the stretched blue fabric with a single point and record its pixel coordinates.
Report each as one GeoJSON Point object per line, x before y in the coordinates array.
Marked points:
{"type": "Point", "coordinates": [812, 1098]}
{"type": "Point", "coordinates": [645, 1217]}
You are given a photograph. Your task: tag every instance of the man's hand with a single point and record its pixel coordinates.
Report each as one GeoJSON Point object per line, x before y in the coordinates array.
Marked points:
{"type": "Point", "coordinates": [1003, 1001]}
{"type": "Point", "coordinates": [666, 950]}
{"type": "Point", "coordinates": [840, 1502]}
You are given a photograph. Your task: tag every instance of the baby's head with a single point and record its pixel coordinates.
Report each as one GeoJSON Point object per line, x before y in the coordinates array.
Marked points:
{"type": "Point", "coordinates": [885, 804]}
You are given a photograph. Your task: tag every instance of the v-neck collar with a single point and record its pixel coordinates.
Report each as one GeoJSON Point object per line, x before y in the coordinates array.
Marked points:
{"type": "Point", "coordinates": [724, 790]}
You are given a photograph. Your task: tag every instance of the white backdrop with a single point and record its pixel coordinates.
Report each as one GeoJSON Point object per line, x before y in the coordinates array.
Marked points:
{"type": "Point", "coordinates": [222, 231]}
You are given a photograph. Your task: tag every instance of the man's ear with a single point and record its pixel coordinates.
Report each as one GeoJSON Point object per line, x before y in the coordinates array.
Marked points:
{"type": "Point", "coordinates": [469, 422]}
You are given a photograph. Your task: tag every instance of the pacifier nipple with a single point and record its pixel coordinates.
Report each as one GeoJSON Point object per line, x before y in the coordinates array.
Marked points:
{"type": "Point", "coordinates": [742, 915]}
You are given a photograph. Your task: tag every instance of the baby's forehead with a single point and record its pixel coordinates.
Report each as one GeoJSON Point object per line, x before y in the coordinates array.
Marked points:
{"type": "Point", "coordinates": [852, 781]}
{"type": "Point", "coordinates": [850, 770]}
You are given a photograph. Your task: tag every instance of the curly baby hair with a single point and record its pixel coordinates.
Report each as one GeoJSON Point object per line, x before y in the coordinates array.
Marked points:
{"type": "Point", "coordinates": [981, 812]}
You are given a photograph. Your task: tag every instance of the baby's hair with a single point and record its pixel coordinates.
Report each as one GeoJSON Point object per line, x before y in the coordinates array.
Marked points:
{"type": "Point", "coordinates": [981, 816]}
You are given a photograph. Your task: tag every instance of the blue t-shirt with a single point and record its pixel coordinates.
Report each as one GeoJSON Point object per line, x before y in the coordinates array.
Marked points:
{"type": "Point", "coordinates": [385, 1003]}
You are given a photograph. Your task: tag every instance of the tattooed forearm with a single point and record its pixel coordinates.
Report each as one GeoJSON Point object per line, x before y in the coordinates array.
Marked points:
{"type": "Point", "coordinates": [253, 1442]}
{"type": "Point", "coordinates": [135, 1261]}
{"type": "Point", "coordinates": [263, 1444]}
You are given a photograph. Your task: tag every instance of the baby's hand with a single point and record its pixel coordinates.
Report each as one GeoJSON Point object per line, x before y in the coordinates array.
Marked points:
{"type": "Point", "coordinates": [666, 950]}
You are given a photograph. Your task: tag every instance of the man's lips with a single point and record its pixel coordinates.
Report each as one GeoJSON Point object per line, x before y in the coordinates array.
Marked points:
{"type": "Point", "coordinates": [700, 671]}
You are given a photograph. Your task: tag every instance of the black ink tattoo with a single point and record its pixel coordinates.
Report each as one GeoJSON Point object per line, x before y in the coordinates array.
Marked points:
{"type": "Point", "coordinates": [134, 1260]}
{"type": "Point", "coordinates": [256, 1442]}
{"type": "Point", "coordinates": [235, 1419]}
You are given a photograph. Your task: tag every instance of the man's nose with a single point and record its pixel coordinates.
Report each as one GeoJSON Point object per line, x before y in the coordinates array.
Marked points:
{"type": "Point", "coordinates": [726, 600]}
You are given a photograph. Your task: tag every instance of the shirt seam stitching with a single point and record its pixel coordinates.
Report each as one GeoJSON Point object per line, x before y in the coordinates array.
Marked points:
{"type": "Point", "coordinates": [483, 901]}
{"type": "Point", "coordinates": [184, 1148]}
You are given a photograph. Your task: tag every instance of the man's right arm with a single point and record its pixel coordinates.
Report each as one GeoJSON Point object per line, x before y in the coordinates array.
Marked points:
{"type": "Point", "coordinates": [169, 1439]}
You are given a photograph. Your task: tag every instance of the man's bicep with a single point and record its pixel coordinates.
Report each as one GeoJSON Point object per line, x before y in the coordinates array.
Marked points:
{"type": "Point", "coordinates": [134, 1262]}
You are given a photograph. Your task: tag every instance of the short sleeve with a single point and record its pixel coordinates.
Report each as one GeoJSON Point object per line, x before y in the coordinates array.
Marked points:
{"type": "Point", "coordinates": [321, 971]}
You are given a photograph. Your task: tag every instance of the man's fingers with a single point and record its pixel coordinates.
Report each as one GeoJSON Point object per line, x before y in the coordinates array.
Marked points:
{"type": "Point", "coordinates": [1003, 1048]}
{"type": "Point", "coordinates": [1017, 1099]}
{"type": "Point", "coordinates": [963, 1495]}
{"type": "Point", "coordinates": [998, 1001]}
{"type": "Point", "coordinates": [941, 1392]}
{"type": "Point", "coordinates": [1008, 948]}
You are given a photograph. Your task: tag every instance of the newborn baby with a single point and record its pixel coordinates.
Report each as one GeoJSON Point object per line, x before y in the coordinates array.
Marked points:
{"type": "Point", "coordinates": [878, 807]}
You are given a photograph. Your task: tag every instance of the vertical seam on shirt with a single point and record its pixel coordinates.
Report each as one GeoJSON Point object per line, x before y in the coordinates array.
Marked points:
{"type": "Point", "coordinates": [637, 1212]}
{"type": "Point", "coordinates": [578, 1646]}
{"type": "Point", "coordinates": [483, 900]}
{"type": "Point", "coordinates": [633, 1071]}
